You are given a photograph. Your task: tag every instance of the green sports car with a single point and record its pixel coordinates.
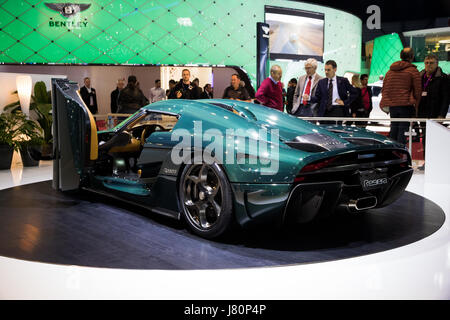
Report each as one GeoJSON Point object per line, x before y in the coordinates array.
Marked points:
{"type": "Point", "coordinates": [217, 162]}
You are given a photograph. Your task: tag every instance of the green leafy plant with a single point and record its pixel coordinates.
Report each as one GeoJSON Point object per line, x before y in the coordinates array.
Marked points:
{"type": "Point", "coordinates": [17, 131]}
{"type": "Point", "coordinates": [13, 106]}
{"type": "Point", "coordinates": [42, 107]}
{"type": "Point", "coordinates": [6, 132]}
{"type": "Point", "coordinates": [30, 133]}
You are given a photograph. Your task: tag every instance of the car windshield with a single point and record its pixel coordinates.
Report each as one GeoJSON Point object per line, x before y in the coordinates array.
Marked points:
{"type": "Point", "coordinates": [130, 118]}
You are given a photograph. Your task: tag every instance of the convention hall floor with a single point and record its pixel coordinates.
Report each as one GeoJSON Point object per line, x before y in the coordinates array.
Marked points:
{"type": "Point", "coordinates": [414, 269]}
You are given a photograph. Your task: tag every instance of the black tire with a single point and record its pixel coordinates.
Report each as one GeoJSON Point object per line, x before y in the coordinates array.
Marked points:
{"type": "Point", "coordinates": [206, 200]}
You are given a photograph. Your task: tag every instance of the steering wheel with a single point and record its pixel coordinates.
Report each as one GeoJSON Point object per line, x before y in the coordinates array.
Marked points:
{"type": "Point", "coordinates": [149, 130]}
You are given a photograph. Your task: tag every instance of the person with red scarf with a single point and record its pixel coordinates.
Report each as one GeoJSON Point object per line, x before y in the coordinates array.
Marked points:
{"type": "Point", "coordinates": [366, 95]}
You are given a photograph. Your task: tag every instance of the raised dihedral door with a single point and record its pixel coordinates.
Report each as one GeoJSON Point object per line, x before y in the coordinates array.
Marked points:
{"type": "Point", "coordinates": [75, 143]}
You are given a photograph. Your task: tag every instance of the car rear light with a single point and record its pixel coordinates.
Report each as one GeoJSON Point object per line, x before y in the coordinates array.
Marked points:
{"type": "Point", "coordinates": [400, 155]}
{"type": "Point", "coordinates": [317, 165]}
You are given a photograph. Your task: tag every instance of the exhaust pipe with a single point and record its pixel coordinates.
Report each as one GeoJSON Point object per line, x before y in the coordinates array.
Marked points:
{"type": "Point", "coordinates": [362, 204]}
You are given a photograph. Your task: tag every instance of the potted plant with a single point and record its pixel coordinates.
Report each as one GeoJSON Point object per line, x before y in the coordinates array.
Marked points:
{"type": "Point", "coordinates": [42, 107]}
{"type": "Point", "coordinates": [6, 140]}
{"type": "Point", "coordinates": [29, 140]}
{"type": "Point", "coordinates": [17, 133]}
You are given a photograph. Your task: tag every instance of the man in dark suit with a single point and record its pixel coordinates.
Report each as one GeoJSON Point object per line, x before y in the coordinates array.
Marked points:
{"type": "Point", "coordinates": [89, 96]}
{"type": "Point", "coordinates": [333, 94]}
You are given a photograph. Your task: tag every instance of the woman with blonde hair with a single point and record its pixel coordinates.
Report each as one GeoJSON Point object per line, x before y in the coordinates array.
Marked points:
{"type": "Point", "coordinates": [356, 82]}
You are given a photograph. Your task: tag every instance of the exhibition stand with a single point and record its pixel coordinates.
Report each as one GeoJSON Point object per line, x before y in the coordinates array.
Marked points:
{"type": "Point", "coordinates": [418, 270]}
{"type": "Point", "coordinates": [83, 244]}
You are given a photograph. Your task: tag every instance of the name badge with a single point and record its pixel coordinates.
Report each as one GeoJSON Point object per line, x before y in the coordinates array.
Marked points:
{"type": "Point", "coordinates": [424, 93]}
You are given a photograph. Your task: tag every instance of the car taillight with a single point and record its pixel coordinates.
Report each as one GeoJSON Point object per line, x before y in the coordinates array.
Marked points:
{"type": "Point", "coordinates": [299, 179]}
{"type": "Point", "coordinates": [401, 155]}
{"type": "Point", "coordinates": [317, 165]}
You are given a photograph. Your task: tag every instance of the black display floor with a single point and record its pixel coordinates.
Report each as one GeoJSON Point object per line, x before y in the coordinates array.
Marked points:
{"type": "Point", "coordinates": [38, 223]}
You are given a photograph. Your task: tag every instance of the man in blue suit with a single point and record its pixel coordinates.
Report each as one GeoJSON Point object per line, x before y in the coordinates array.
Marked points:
{"type": "Point", "coordinates": [333, 94]}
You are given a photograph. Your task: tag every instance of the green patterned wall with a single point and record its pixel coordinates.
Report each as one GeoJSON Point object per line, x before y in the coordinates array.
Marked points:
{"type": "Point", "coordinates": [159, 32]}
{"type": "Point", "coordinates": [386, 50]}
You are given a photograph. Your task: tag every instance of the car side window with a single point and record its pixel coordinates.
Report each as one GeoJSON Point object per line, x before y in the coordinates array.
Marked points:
{"type": "Point", "coordinates": [154, 118]}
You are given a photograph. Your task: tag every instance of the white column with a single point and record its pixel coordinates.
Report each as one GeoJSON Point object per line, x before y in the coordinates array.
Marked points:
{"type": "Point", "coordinates": [437, 156]}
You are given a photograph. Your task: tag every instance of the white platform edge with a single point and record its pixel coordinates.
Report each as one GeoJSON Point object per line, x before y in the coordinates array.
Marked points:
{"type": "Point", "coordinates": [420, 270]}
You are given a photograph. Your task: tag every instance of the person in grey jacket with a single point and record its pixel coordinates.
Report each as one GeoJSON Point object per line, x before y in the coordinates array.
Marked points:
{"type": "Point", "coordinates": [306, 85]}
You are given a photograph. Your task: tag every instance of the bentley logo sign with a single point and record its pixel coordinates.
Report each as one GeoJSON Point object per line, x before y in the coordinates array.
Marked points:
{"type": "Point", "coordinates": [68, 9]}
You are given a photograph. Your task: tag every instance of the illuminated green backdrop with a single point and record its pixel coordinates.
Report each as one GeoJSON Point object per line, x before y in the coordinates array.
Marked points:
{"type": "Point", "coordinates": [160, 32]}
{"type": "Point", "coordinates": [386, 50]}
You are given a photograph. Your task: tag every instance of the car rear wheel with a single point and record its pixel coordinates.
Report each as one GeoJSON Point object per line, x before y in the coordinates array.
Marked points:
{"type": "Point", "coordinates": [206, 200]}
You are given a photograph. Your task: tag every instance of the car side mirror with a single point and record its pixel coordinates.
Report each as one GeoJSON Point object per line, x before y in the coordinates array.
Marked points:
{"type": "Point", "coordinates": [122, 138]}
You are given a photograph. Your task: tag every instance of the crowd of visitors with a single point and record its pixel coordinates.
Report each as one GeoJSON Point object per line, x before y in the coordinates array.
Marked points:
{"type": "Point", "coordinates": [128, 97]}
{"type": "Point", "coordinates": [406, 93]}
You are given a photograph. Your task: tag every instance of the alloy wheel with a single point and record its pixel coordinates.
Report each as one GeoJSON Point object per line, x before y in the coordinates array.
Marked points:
{"type": "Point", "coordinates": [202, 196]}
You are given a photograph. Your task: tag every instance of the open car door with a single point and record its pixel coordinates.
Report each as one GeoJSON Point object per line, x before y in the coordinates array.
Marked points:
{"type": "Point", "coordinates": [75, 142]}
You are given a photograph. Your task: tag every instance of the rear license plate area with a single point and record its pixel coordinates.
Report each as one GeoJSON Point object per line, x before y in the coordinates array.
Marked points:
{"type": "Point", "coordinates": [372, 179]}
